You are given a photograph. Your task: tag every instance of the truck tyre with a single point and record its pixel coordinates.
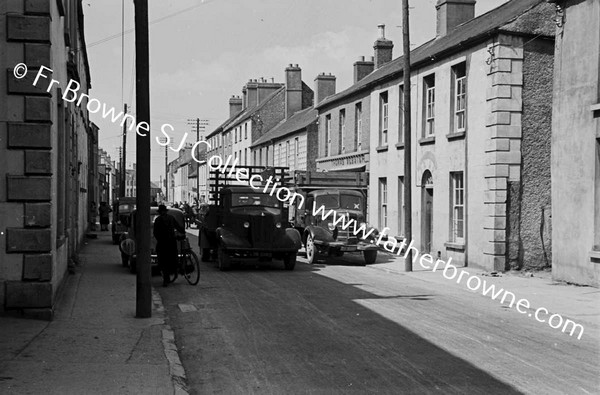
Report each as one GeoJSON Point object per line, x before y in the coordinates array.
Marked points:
{"type": "Point", "coordinates": [370, 256]}
{"type": "Point", "coordinates": [224, 260]}
{"type": "Point", "coordinates": [289, 261]}
{"type": "Point", "coordinates": [312, 253]}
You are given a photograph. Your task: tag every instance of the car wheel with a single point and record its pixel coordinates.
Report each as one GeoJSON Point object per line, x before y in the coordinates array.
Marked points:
{"type": "Point", "coordinates": [312, 254]}
{"type": "Point", "coordinates": [223, 259]}
{"type": "Point", "coordinates": [289, 261]}
{"type": "Point", "coordinates": [370, 256]}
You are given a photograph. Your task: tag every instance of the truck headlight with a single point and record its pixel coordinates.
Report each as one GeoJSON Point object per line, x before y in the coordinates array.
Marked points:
{"type": "Point", "coordinates": [278, 225]}
{"type": "Point", "coordinates": [331, 226]}
{"type": "Point", "coordinates": [246, 224]}
{"type": "Point", "coordinates": [362, 224]}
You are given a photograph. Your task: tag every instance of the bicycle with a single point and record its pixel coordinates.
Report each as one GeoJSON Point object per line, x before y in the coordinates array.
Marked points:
{"type": "Point", "coordinates": [188, 263]}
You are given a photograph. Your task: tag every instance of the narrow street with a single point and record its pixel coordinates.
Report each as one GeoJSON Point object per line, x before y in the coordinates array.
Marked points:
{"type": "Point", "coordinates": [345, 328]}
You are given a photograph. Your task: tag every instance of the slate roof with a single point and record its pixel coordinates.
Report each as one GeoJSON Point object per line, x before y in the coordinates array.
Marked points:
{"type": "Point", "coordinates": [502, 18]}
{"type": "Point", "coordinates": [296, 122]}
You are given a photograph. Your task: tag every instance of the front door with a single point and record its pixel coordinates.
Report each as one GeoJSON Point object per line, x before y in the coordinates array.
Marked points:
{"type": "Point", "coordinates": [427, 212]}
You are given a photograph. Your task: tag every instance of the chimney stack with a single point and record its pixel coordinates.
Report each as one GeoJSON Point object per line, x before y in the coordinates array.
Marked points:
{"type": "Point", "coordinates": [235, 105]}
{"type": "Point", "coordinates": [451, 13]}
{"type": "Point", "coordinates": [293, 90]}
{"type": "Point", "coordinates": [251, 94]}
{"type": "Point", "coordinates": [324, 86]}
{"type": "Point", "coordinates": [362, 68]}
{"type": "Point", "coordinates": [383, 48]}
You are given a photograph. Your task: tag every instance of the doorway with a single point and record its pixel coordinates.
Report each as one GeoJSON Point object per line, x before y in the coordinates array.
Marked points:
{"type": "Point", "coordinates": [427, 212]}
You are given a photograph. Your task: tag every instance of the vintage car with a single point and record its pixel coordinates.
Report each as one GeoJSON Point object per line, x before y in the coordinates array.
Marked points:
{"type": "Point", "coordinates": [122, 209]}
{"type": "Point", "coordinates": [247, 224]}
{"type": "Point", "coordinates": [128, 239]}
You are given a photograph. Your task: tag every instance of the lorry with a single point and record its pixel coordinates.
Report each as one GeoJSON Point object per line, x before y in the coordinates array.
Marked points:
{"type": "Point", "coordinates": [122, 209]}
{"type": "Point", "coordinates": [245, 223]}
{"type": "Point", "coordinates": [342, 195]}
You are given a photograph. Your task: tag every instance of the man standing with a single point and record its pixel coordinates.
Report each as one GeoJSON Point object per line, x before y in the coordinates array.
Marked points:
{"type": "Point", "coordinates": [166, 242]}
{"type": "Point", "coordinates": [105, 210]}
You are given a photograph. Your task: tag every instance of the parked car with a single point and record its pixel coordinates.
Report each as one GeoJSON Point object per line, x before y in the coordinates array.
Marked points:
{"type": "Point", "coordinates": [122, 210]}
{"type": "Point", "coordinates": [128, 240]}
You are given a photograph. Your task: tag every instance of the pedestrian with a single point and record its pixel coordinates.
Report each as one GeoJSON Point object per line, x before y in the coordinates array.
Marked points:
{"type": "Point", "coordinates": [187, 210]}
{"type": "Point", "coordinates": [93, 215]}
{"type": "Point", "coordinates": [165, 226]}
{"type": "Point", "coordinates": [104, 210]}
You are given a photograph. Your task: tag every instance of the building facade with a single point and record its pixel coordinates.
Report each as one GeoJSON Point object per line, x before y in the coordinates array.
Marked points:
{"type": "Point", "coordinates": [576, 144]}
{"type": "Point", "coordinates": [45, 174]}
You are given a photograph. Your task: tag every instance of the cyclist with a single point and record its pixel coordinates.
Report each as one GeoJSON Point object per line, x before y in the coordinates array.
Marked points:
{"type": "Point", "coordinates": [165, 226]}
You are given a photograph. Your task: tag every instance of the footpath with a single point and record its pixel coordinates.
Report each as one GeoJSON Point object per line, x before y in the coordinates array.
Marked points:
{"type": "Point", "coordinates": [94, 344]}
{"type": "Point", "coordinates": [578, 303]}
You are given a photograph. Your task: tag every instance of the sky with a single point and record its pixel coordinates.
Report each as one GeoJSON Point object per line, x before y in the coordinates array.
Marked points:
{"type": "Point", "coordinates": [203, 51]}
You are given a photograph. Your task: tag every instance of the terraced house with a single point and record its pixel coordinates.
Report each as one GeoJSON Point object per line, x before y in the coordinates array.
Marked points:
{"type": "Point", "coordinates": [48, 167]}
{"type": "Point", "coordinates": [481, 94]}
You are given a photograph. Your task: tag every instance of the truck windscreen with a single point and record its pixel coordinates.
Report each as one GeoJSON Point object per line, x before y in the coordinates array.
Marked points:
{"type": "Point", "coordinates": [244, 199]}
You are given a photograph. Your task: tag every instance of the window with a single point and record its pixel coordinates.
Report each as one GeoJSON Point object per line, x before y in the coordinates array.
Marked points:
{"type": "Point", "coordinates": [357, 126]}
{"type": "Point", "coordinates": [382, 203]}
{"type": "Point", "coordinates": [327, 134]}
{"type": "Point", "coordinates": [254, 162]}
{"type": "Point", "coordinates": [245, 131]}
{"type": "Point", "coordinates": [296, 144]}
{"type": "Point", "coordinates": [401, 205]}
{"type": "Point", "coordinates": [279, 155]}
{"type": "Point", "coordinates": [245, 156]}
{"type": "Point", "coordinates": [383, 119]}
{"type": "Point", "coordinates": [459, 98]}
{"type": "Point", "coordinates": [429, 110]}
{"type": "Point", "coordinates": [287, 153]}
{"type": "Point", "coordinates": [341, 147]}
{"type": "Point", "coordinates": [401, 114]}
{"type": "Point", "coordinates": [457, 205]}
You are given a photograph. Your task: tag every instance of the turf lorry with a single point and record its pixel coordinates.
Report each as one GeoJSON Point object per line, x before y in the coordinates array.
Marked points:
{"type": "Point", "coordinates": [246, 223]}
{"type": "Point", "coordinates": [332, 219]}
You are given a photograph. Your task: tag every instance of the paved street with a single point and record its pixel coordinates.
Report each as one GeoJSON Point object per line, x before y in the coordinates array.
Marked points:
{"type": "Point", "coordinates": [343, 328]}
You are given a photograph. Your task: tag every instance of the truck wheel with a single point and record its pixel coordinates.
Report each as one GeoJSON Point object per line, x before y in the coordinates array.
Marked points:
{"type": "Point", "coordinates": [370, 256]}
{"type": "Point", "coordinates": [224, 260]}
{"type": "Point", "coordinates": [205, 254]}
{"type": "Point", "coordinates": [312, 254]}
{"type": "Point", "coordinates": [289, 261]}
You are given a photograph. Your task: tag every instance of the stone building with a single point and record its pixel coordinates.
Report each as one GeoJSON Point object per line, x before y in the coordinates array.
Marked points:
{"type": "Point", "coordinates": [576, 143]}
{"type": "Point", "coordinates": [45, 174]}
{"type": "Point", "coordinates": [481, 110]}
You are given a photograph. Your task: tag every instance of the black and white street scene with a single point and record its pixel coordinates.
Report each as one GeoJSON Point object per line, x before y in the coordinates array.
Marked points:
{"type": "Point", "coordinates": [300, 197]}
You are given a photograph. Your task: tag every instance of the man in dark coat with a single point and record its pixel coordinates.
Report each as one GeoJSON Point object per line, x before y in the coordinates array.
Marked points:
{"type": "Point", "coordinates": [166, 243]}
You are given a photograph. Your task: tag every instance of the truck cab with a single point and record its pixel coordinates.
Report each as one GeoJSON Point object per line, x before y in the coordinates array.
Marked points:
{"type": "Point", "coordinates": [332, 216]}
{"type": "Point", "coordinates": [244, 224]}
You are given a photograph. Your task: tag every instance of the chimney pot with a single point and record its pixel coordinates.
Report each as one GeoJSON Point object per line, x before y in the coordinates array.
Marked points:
{"type": "Point", "coordinates": [383, 48]}
{"type": "Point", "coordinates": [381, 28]}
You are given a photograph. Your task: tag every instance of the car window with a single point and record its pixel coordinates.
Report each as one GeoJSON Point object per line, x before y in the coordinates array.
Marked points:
{"type": "Point", "coordinates": [249, 199]}
{"type": "Point", "coordinates": [126, 207]}
{"type": "Point", "coordinates": [351, 202]}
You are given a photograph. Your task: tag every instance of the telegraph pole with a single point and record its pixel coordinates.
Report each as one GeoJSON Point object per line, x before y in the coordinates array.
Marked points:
{"type": "Point", "coordinates": [142, 95]}
{"type": "Point", "coordinates": [124, 157]}
{"type": "Point", "coordinates": [407, 137]}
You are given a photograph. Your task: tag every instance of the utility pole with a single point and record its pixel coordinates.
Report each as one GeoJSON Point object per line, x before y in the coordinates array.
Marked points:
{"type": "Point", "coordinates": [142, 95]}
{"type": "Point", "coordinates": [407, 137]}
{"type": "Point", "coordinates": [124, 156]}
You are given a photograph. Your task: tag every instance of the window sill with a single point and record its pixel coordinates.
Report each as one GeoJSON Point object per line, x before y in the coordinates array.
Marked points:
{"type": "Point", "coordinates": [457, 135]}
{"type": "Point", "coordinates": [595, 256]}
{"type": "Point", "coordinates": [595, 107]}
{"type": "Point", "coordinates": [382, 148]}
{"type": "Point", "coordinates": [427, 140]}
{"type": "Point", "coordinates": [452, 245]}
{"type": "Point", "coordinates": [400, 145]}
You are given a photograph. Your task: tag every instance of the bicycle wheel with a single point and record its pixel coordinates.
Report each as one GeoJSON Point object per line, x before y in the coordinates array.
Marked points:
{"type": "Point", "coordinates": [192, 268]}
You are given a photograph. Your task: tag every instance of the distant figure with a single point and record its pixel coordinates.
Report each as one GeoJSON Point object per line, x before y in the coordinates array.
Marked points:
{"type": "Point", "coordinates": [104, 210]}
{"type": "Point", "coordinates": [93, 215]}
{"type": "Point", "coordinates": [166, 242]}
{"type": "Point", "coordinates": [154, 203]}
{"type": "Point", "coordinates": [189, 214]}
